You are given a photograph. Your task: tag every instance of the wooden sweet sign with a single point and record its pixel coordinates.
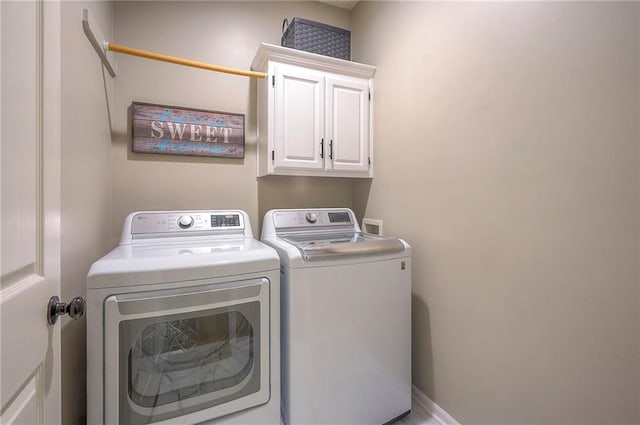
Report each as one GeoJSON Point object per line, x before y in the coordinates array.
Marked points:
{"type": "Point", "coordinates": [180, 131]}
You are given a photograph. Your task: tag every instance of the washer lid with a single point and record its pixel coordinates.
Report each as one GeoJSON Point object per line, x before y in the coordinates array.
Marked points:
{"type": "Point", "coordinates": [315, 245]}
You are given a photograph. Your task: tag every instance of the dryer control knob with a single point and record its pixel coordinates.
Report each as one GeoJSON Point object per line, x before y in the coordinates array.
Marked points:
{"type": "Point", "coordinates": [185, 221]}
{"type": "Point", "coordinates": [311, 217]}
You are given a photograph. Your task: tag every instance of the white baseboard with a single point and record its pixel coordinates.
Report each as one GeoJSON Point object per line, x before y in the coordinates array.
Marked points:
{"type": "Point", "coordinates": [436, 412]}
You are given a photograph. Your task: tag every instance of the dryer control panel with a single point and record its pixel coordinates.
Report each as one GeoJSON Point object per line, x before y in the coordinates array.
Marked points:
{"type": "Point", "coordinates": [152, 224]}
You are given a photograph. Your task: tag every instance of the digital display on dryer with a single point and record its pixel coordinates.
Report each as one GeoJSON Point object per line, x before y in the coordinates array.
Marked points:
{"type": "Point", "coordinates": [341, 217]}
{"type": "Point", "coordinates": [229, 220]}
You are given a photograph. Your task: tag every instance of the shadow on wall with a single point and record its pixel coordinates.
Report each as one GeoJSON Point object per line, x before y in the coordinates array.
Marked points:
{"type": "Point", "coordinates": [107, 99]}
{"type": "Point", "coordinates": [421, 335]}
{"type": "Point", "coordinates": [360, 197]}
{"type": "Point", "coordinates": [74, 366]}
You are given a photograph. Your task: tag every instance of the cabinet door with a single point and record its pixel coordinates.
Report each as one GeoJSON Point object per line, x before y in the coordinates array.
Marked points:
{"type": "Point", "coordinates": [347, 124]}
{"type": "Point", "coordinates": [299, 118]}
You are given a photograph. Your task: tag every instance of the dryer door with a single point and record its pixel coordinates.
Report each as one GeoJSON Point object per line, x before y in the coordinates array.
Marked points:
{"type": "Point", "coordinates": [192, 353]}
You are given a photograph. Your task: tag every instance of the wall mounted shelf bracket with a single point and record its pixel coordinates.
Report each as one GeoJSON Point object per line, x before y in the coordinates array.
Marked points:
{"type": "Point", "coordinates": [97, 40]}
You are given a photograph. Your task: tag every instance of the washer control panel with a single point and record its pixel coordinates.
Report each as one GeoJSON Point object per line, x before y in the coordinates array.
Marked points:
{"type": "Point", "coordinates": [181, 221]}
{"type": "Point", "coordinates": [313, 218]}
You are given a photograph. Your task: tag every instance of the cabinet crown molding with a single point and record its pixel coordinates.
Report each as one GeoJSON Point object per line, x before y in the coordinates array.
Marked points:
{"type": "Point", "coordinates": [267, 52]}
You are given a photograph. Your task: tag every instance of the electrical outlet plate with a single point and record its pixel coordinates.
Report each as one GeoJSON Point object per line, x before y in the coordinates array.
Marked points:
{"type": "Point", "coordinates": [372, 225]}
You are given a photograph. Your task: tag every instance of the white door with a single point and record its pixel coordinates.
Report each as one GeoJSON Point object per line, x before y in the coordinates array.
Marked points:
{"type": "Point", "coordinates": [30, 211]}
{"type": "Point", "coordinates": [299, 118]}
{"type": "Point", "coordinates": [347, 124]}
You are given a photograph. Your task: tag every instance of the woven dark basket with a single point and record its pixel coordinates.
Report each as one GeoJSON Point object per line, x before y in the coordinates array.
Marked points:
{"type": "Point", "coordinates": [315, 37]}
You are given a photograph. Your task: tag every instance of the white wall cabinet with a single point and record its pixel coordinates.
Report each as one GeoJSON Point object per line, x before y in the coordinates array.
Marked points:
{"type": "Point", "coordinates": [314, 114]}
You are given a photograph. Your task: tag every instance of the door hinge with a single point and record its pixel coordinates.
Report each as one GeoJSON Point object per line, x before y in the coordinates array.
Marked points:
{"type": "Point", "coordinates": [273, 82]}
{"type": "Point", "coordinates": [273, 155]}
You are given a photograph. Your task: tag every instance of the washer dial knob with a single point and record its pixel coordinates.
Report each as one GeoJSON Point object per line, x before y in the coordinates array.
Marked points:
{"type": "Point", "coordinates": [185, 221]}
{"type": "Point", "coordinates": [311, 217]}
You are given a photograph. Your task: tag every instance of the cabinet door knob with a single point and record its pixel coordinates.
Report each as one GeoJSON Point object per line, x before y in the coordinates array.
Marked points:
{"type": "Point", "coordinates": [331, 149]}
{"type": "Point", "coordinates": [322, 148]}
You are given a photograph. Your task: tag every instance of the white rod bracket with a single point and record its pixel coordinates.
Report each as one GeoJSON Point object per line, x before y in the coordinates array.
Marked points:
{"type": "Point", "coordinates": [97, 40]}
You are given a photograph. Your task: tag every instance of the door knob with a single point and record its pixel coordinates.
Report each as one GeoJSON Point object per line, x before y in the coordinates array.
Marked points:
{"type": "Point", "coordinates": [75, 309]}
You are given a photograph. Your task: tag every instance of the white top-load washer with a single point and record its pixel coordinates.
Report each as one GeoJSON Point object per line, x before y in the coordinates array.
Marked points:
{"type": "Point", "coordinates": [183, 323]}
{"type": "Point", "coordinates": [346, 318]}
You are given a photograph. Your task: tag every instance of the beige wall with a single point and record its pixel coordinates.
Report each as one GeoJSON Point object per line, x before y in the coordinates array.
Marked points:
{"type": "Point", "coordinates": [507, 155]}
{"type": "Point", "coordinates": [86, 185]}
{"type": "Point", "coordinates": [506, 145]}
{"type": "Point", "coordinates": [224, 33]}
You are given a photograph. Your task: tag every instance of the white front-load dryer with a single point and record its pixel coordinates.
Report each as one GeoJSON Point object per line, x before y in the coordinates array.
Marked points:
{"type": "Point", "coordinates": [345, 319]}
{"type": "Point", "coordinates": [183, 323]}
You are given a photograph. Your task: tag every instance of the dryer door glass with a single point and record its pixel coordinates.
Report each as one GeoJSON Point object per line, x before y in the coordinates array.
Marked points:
{"type": "Point", "coordinates": [184, 351]}
{"type": "Point", "coordinates": [179, 359]}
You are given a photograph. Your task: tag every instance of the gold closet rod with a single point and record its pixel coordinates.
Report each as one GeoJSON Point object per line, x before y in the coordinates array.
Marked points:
{"type": "Point", "coordinates": [93, 33]}
{"type": "Point", "coordinates": [181, 61]}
